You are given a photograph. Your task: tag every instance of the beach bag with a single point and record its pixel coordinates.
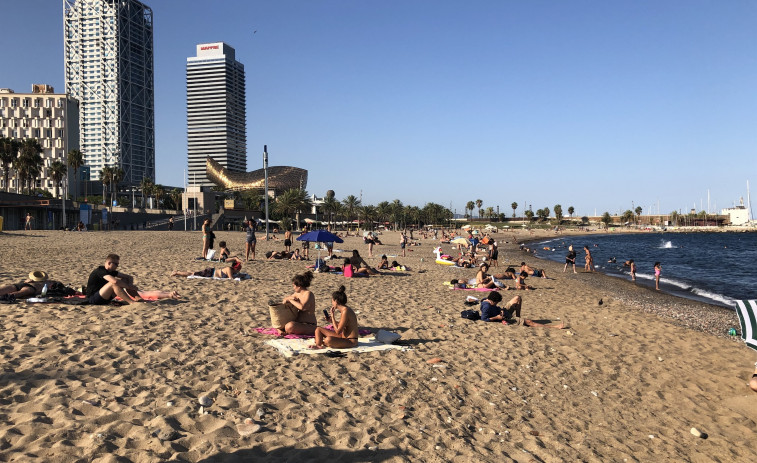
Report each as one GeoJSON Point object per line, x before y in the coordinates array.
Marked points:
{"type": "Point", "coordinates": [470, 314]}
{"type": "Point", "coordinates": [281, 314]}
{"type": "Point", "coordinates": [387, 337]}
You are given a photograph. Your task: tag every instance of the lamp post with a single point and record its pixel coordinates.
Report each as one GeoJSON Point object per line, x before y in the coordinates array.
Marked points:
{"type": "Point", "coordinates": [265, 186]}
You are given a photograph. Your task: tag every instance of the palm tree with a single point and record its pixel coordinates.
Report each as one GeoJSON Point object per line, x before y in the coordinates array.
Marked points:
{"type": "Point", "coordinates": [8, 154]}
{"type": "Point", "coordinates": [397, 212]}
{"type": "Point", "coordinates": [75, 160]}
{"type": "Point", "coordinates": [606, 219]}
{"type": "Point", "coordinates": [479, 203]}
{"type": "Point", "coordinates": [571, 210]}
{"type": "Point", "coordinates": [514, 205]}
{"type": "Point", "coordinates": [469, 206]}
{"type": "Point", "coordinates": [106, 177]}
{"type": "Point", "coordinates": [57, 173]}
{"type": "Point", "coordinates": [558, 213]}
{"type": "Point", "coordinates": [351, 203]}
{"type": "Point", "coordinates": [160, 192]}
{"type": "Point", "coordinates": [383, 211]}
{"type": "Point", "coordinates": [147, 186]}
{"type": "Point", "coordinates": [638, 211]}
{"type": "Point", "coordinates": [367, 215]}
{"type": "Point", "coordinates": [293, 201]}
{"type": "Point", "coordinates": [330, 207]}
{"type": "Point", "coordinates": [30, 162]}
{"type": "Point", "coordinates": [529, 215]}
{"type": "Point", "coordinates": [489, 212]}
{"type": "Point", "coordinates": [118, 176]}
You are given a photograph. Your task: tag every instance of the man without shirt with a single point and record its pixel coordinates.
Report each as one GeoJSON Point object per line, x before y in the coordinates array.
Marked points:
{"type": "Point", "coordinates": [105, 283]}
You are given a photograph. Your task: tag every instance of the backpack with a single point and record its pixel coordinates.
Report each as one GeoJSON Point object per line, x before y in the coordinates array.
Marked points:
{"type": "Point", "coordinates": [470, 314]}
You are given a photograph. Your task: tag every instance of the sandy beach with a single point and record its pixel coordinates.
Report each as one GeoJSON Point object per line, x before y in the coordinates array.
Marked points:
{"type": "Point", "coordinates": [626, 381]}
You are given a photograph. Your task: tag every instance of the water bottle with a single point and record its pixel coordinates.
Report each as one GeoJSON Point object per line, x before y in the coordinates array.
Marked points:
{"type": "Point", "coordinates": [44, 290]}
{"type": "Point", "coordinates": [732, 332]}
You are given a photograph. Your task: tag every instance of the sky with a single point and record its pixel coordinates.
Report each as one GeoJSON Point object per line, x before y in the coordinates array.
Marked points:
{"type": "Point", "coordinates": [603, 106]}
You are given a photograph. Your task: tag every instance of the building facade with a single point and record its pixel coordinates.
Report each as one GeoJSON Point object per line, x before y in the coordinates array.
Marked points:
{"type": "Point", "coordinates": [108, 53]}
{"type": "Point", "coordinates": [216, 111]}
{"type": "Point", "coordinates": [51, 118]}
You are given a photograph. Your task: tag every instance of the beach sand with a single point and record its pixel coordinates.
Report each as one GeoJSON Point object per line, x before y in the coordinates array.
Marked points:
{"type": "Point", "coordinates": [625, 382]}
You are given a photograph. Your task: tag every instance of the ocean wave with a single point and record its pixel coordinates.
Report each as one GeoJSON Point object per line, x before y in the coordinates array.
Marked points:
{"type": "Point", "coordinates": [714, 296]}
{"type": "Point", "coordinates": [666, 245]}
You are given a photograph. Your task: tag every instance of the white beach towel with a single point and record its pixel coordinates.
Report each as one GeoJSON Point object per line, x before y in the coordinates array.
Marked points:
{"type": "Point", "coordinates": [291, 347]}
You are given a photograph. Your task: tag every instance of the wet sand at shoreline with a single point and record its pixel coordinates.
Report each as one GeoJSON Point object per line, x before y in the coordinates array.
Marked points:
{"type": "Point", "coordinates": [627, 380]}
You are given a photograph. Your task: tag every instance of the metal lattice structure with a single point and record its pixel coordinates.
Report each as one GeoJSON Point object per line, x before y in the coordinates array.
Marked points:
{"type": "Point", "coordinates": [108, 53]}
{"type": "Point", "coordinates": [280, 178]}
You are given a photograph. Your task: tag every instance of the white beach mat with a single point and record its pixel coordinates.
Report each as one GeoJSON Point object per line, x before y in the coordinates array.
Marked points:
{"type": "Point", "coordinates": [291, 347]}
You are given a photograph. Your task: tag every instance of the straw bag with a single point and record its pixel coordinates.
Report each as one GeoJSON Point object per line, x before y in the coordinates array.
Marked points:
{"type": "Point", "coordinates": [281, 314]}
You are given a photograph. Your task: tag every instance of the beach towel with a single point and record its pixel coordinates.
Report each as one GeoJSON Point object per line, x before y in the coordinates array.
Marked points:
{"type": "Point", "coordinates": [274, 332]}
{"type": "Point", "coordinates": [746, 311]}
{"type": "Point", "coordinates": [292, 347]}
{"type": "Point", "coordinates": [239, 277]}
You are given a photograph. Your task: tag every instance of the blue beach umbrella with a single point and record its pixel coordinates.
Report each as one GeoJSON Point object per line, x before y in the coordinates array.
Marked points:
{"type": "Point", "coordinates": [320, 236]}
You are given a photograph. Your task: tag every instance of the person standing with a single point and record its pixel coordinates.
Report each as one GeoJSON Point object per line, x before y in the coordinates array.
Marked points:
{"type": "Point", "coordinates": [633, 269]}
{"type": "Point", "coordinates": [205, 237]}
{"type": "Point", "coordinates": [170, 224]}
{"type": "Point", "coordinates": [305, 244]}
{"type": "Point", "coordinates": [570, 259]}
{"type": "Point", "coordinates": [288, 240]}
{"type": "Point", "coordinates": [28, 225]}
{"type": "Point", "coordinates": [251, 240]}
{"type": "Point", "coordinates": [589, 260]}
{"type": "Point", "coordinates": [403, 242]}
{"type": "Point", "coordinates": [657, 273]}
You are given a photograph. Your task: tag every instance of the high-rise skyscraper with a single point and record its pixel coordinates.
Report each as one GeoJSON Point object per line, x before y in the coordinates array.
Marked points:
{"type": "Point", "coordinates": [108, 46]}
{"type": "Point", "coordinates": [216, 115]}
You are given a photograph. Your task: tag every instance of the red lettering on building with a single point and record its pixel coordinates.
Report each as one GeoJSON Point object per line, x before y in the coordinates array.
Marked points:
{"type": "Point", "coordinates": [211, 47]}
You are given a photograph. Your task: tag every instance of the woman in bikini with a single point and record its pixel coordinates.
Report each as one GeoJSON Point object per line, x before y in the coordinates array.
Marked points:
{"type": "Point", "coordinates": [589, 260]}
{"type": "Point", "coordinates": [345, 334]}
{"type": "Point", "coordinates": [657, 272]}
{"type": "Point", "coordinates": [210, 272]}
{"type": "Point", "coordinates": [205, 237]}
{"type": "Point", "coordinates": [304, 301]}
{"type": "Point", "coordinates": [483, 280]}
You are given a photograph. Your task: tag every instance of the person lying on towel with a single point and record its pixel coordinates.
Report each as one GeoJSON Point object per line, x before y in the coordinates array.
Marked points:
{"type": "Point", "coordinates": [346, 332]}
{"type": "Point", "coordinates": [210, 272]}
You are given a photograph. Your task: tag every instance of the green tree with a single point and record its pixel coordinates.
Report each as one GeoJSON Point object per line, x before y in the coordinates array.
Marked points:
{"type": "Point", "coordinates": [292, 202]}
{"type": "Point", "coordinates": [398, 211]}
{"type": "Point", "coordinates": [383, 211]}
{"type": "Point", "coordinates": [351, 203]}
{"type": "Point", "coordinates": [479, 203]}
{"type": "Point", "coordinates": [558, 213]}
{"type": "Point", "coordinates": [469, 206]}
{"type": "Point", "coordinates": [75, 160]}
{"type": "Point", "coordinates": [58, 172]}
{"type": "Point", "coordinates": [674, 217]}
{"type": "Point", "coordinates": [514, 205]}
{"type": "Point", "coordinates": [106, 177]}
{"type": "Point", "coordinates": [542, 214]}
{"type": "Point", "coordinates": [606, 219]}
{"type": "Point", "coordinates": [529, 215]}
{"type": "Point", "coordinates": [330, 207]}
{"type": "Point", "coordinates": [489, 212]}
{"type": "Point", "coordinates": [147, 186]}
{"type": "Point", "coordinates": [29, 162]}
{"type": "Point", "coordinates": [367, 215]}
{"type": "Point", "coordinates": [638, 211]}
{"type": "Point", "coordinates": [8, 155]}
{"type": "Point", "coordinates": [160, 192]}
{"type": "Point", "coordinates": [571, 210]}
{"type": "Point", "coordinates": [627, 216]}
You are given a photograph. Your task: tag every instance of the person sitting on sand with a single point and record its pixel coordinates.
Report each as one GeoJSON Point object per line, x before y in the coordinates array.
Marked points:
{"type": "Point", "coordinates": [350, 270]}
{"type": "Point", "coordinates": [227, 272]}
{"type": "Point", "coordinates": [384, 264]}
{"type": "Point", "coordinates": [223, 252]}
{"type": "Point", "coordinates": [304, 301]}
{"type": "Point", "coordinates": [520, 282]}
{"type": "Point", "coordinates": [105, 283]}
{"type": "Point", "coordinates": [490, 312]}
{"type": "Point", "coordinates": [483, 280]}
{"type": "Point", "coordinates": [28, 288]}
{"type": "Point", "coordinates": [345, 333]}
{"type": "Point", "coordinates": [537, 273]}
{"type": "Point", "coordinates": [360, 263]}
{"type": "Point", "coordinates": [296, 255]}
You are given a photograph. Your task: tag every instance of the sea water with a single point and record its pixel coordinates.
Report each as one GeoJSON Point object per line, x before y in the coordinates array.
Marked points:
{"type": "Point", "coordinates": [717, 268]}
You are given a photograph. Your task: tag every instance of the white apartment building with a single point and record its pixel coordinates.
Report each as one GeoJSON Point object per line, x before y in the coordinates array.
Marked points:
{"type": "Point", "coordinates": [216, 111]}
{"type": "Point", "coordinates": [51, 118]}
{"type": "Point", "coordinates": [108, 54]}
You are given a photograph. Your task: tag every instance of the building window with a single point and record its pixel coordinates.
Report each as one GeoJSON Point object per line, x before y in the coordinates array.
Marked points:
{"type": "Point", "coordinates": [14, 102]}
{"type": "Point", "coordinates": [25, 103]}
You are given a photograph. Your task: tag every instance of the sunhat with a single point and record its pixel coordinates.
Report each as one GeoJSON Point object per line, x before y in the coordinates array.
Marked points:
{"type": "Point", "coordinates": [38, 275]}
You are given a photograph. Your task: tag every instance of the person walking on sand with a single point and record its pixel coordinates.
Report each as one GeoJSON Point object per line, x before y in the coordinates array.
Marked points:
{"type": "Point", "coordinates": [589, 260]}
{"type": "Point", "coordinates": [570, 259]}
{"type": "Point", "coordinates": [657, 272]}
{"type": "Point", "coordinates": [345, 333]}
{"type": "Point", "coordinates": [632, 264]}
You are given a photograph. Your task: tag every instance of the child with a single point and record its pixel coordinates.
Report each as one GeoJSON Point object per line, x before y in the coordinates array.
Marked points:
{"type": "Point", "coordinates": [657, 272]}
{"type": "Point", "coordinates": [345, 334]}
{"type": "Point", "coordinates": [223, 252]}
{"type": "Point", "coordinates": [633, 269]}
{"type": "Point", "coordinates": [384, 264]}
{"type": "Point", "coordinates": [520, 281]}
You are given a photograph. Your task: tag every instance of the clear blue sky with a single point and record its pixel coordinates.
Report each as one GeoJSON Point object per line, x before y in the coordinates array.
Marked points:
{"type": "Point", "coordinates": [593, 104]}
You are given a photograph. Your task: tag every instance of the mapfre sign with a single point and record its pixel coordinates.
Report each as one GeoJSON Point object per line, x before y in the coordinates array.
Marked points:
{"type": "Point", "coordinates": [209, 47]}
